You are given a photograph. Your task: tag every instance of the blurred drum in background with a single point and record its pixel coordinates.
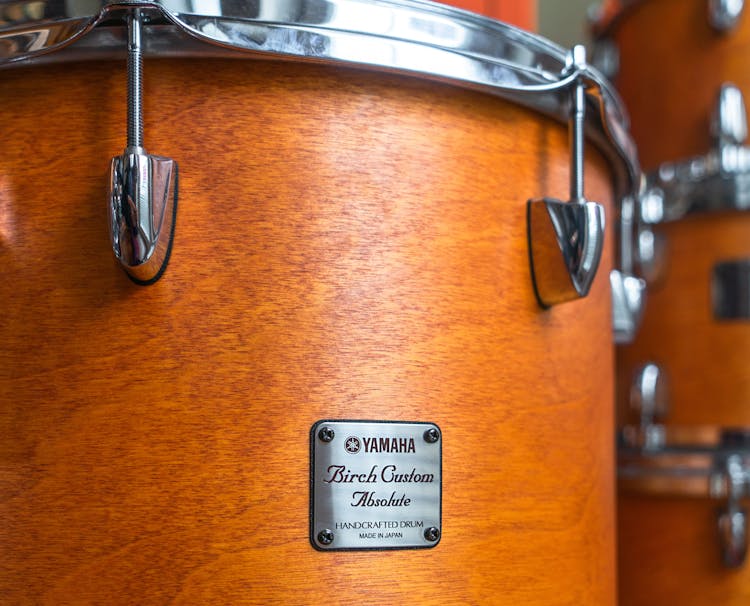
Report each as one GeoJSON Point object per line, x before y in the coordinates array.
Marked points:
{"type": "Point", "coordinates": [521, 13]}
{"type": "Point", "coordinates": [348, 239]}
{"type": "Point", "coordinates": [684, 383]}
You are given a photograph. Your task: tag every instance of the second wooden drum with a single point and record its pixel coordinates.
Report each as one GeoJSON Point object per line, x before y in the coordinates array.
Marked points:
{"type": "Point", "coordinates": [684, 384]}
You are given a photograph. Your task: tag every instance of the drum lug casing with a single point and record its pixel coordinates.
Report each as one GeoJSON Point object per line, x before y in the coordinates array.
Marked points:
{"type": "Point", "coordinates": [628, 302]}
{"type": "Point", "coordinates": [717, 181]}
{"type": "Point", "coordinates": [142, 207]}
{"type": "Point", "coordinates": [566, 241]}
{"type": "Point", "coordinates": [628, 290]}
{"type": "Point", "coordinates": [732, 519]}
{"type": "Point", "coordinates": [143, 188]}
{"type": "Point", "coordinates": [723, 15]}
{"type": "Point", "coordinates": [649, 401]}
{"type": "Point", "coordinates": [566, 238]}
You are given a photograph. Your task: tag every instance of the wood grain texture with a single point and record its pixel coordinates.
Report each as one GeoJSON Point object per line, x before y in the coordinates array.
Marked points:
{"type": "Point", "coordinates": [672, 65]}
{"type": "Point", "coordinates": [348, 245]}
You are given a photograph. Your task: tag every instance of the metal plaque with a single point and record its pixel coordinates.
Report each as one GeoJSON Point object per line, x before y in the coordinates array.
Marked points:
{"type": "Point", "coordinates": [375, 485]}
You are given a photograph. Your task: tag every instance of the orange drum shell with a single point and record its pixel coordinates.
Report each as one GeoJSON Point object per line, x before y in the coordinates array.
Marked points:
{"type": "Point", "coordinates": [521, 13]}
{"type": "Point", "coordinates": [348, 245]}
{"type": "Point", "coordinates": [669, 545]}
{"type": "Point", "coordinates": [705, 359]}
{"type": "Point", "coordinates": [672, 65]}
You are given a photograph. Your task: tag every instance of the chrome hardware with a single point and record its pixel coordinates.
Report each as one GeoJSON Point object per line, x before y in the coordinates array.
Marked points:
{"type": "Point", "coordinates": [729, 123]}
{"type": "Point", "coordinates": [628, 290]}
{"type": "Point", "coordinates": [566, 238]}
{"type": "Point", "coordinates": [566, 245]}
{"type": "Point", "coordinates": [720, 180]}
{"type": "Point", "coordinates": [649, 399]}
{"type": "Point", "coordinates": [432, 534]}
{"type": "Point", "coordinates": [628, 298]}
{"type": "Point", "coordinates": [606, 57]}
{"type": "Point", "coordinates": [730, 290]}
{"type": "Point", "coordinates": [143, 188]}
{"type": "Point", "coordinates": [723, 15]}
{"type": "Point", "coordinates": [431, 41]}
{"type": "Point", "coordinates": [652, 251]}
{"type": "Point", "coordinates": [651, 246]}
{"type": "Point", "coordinates": [697, 461]}
{"type": "Point", "coordinates": [732, 520]}
{"type": "Point", "coordinates": [325, 537]}
{"type": "Point", "coordinates": [356, 487]}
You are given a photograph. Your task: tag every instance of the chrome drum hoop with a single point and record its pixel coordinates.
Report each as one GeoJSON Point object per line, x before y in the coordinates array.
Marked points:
{"type": "Point", "coordinates": [401, 36]}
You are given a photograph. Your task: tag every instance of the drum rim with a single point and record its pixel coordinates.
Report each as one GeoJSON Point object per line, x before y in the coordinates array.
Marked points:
{"type": "Point", "coordinates": [501, 59]}
{"type": "Point", "coordinates": [688, 463]}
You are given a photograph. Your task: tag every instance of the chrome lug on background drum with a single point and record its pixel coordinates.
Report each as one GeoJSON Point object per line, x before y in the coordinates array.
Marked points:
{"type": "Point", "coordinates": [649, 400]}
{"type": "Point", "coordinates": [606, 57]}
{"type": "Point", "coordinates": [716, 181]}
{"type": "Point", "coordinates": [651, 246]}
{"type": "Point", "coordinates": [732, 519]}
{"type": "Point", "coordinates": [723, 15]}
{"type": "Point", "coordinates": [628, 298]}
{"type": "Point", "coordinates": [143, 188]}
{"type": "Point", "coordinates": [566, 238]}
{"type": "Point", "coordinates": [628, 290]}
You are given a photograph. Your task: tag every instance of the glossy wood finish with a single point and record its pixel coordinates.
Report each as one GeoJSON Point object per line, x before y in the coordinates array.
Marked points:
{"type": "Point", "coordinates": [348, 245]}
{"type": "Point", "coordinates": [672, 65]}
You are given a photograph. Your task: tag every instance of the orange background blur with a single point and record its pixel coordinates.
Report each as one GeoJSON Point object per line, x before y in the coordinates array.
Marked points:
{"type": "Point", "coordinates": [521, 13]}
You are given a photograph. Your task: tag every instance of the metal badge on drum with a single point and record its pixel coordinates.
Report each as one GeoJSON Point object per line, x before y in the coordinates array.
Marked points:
{"type": "Point", "coordinates": [375, 485]}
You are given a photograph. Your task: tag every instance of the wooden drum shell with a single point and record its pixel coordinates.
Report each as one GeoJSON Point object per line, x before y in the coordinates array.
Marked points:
{"type": "Point", "coordinates": [672, 64]}
{"type": "Point", "coordinates": [668, 549]}
{"type": "Point", "coordinates": [669, 78]}
{"type": "Point", "coordinates": [348, 245]}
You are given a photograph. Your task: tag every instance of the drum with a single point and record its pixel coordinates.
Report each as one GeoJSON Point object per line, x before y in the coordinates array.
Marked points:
{"type": "Point", "coordinates": [521, 13]}
{"type": "Point", "coordinates": [334, 293]}
{"type": "Point", "coordinates": [684, 382]}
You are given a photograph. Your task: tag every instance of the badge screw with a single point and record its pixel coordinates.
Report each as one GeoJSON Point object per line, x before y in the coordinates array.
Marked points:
{"type": "Point", "coordinates": [432, 534]}
{"type": "Point", "coordinates": [432, 435]}
{"type": "Point", "coordinates": [326, 434]}
{"type": "Point", "coordinates": [325, 537]}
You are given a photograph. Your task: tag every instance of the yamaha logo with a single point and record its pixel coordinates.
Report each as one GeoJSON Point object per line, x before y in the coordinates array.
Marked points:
{"type": "Point", "coordinates": [390, 445]}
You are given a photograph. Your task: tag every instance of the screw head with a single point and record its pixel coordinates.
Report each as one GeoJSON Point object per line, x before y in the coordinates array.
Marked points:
{"type": "Point", "coordinates": [432, 435]}
{"type": "Point", "coordinates": [326, 434]}
{"type": "Point", "coordinates": [432, 534]}
{"type": "Point", "coordinates": [325, 537]}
